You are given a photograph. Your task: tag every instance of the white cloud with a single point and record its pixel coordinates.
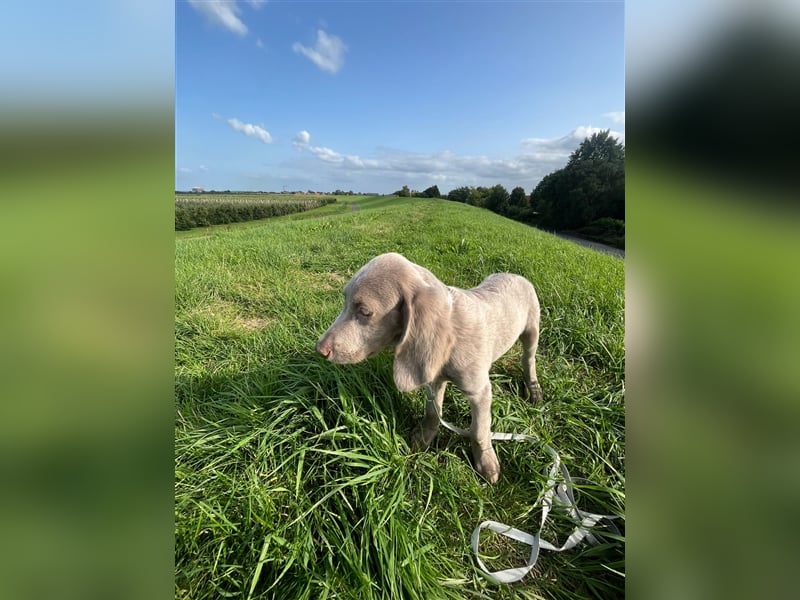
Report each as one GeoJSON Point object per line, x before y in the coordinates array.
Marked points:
{"type": "Point", "coordinates": [437, 164]}
{"type": "Point", "coordinates": [259, 43]}
{"type": "Point", "coordinates": [301, 140]}
{"type": "Point", "coordinates": [189, 171]}
{"type": "Point", "coordinates": [537, 158]}
{"type": "Point", "coordinates": [327, 53]}
{"type": "Point", "coordinates": [347, 160]}
{"type": "Point", "coordinates": [256, 3]}
{"type": "Point", "coordinates": [251, 130]}
{"type": "Point", "coordinates": [617, 116]}
{"type": "Point", "coordinates": [222, 12]}
{"type": "Point", "coordinates": [561, 148]}
{"type": "Point", "coordinates": [581, 133]}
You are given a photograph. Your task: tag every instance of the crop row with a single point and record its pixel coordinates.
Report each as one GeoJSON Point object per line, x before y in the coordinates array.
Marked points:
{"type": "Point", "coordinates": [190, 212]}
{"type": "Point", "coordinates": [246, 197]}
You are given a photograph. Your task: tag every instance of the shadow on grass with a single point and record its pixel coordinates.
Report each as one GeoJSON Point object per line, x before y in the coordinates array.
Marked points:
{"type": "Point", "coordinates": [297, 473]}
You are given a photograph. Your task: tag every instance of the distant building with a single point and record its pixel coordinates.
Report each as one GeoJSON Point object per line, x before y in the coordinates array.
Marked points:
{"type": "Point", "coordinates": [198, 190]}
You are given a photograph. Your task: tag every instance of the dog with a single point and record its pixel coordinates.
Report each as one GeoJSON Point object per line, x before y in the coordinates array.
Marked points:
{"type": "Point", "coordinates": [440, 334]}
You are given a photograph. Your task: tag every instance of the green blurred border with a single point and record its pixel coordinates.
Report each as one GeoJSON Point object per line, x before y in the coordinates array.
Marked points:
{"type": "Point", "coordinates": [86, 430]}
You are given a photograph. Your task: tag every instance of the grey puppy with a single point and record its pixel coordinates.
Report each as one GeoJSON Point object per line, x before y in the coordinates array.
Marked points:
{"type": "Point", "coordinates": [440, 333]}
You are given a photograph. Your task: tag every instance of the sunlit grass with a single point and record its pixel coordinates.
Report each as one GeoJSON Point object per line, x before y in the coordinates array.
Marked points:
{"type": "Point", "coordinates": [293, 476]}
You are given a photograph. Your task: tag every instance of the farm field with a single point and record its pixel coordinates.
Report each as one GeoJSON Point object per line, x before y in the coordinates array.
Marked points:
{"type": "Point", "coordinates": [294, 477]}
{"type": "Point", "coordinates": [202, 210]}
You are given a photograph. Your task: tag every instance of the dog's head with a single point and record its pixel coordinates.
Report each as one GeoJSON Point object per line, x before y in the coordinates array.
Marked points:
{"type": "Point", "coordinates": [391, 302]}
{"type": "Point", "coordinates": [371, 318]}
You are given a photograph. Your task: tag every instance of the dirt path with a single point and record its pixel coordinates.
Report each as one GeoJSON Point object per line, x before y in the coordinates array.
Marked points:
{"type": "Point", "coordinates": [594, 245]}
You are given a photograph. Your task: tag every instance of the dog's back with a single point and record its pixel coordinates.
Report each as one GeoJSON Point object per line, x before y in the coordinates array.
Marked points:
{"type": "Point", "coordinates": [500, 310]}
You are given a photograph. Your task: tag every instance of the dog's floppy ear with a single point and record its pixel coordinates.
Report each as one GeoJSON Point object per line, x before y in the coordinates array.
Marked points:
{"type": "Point", "coordinates": [427, 338]}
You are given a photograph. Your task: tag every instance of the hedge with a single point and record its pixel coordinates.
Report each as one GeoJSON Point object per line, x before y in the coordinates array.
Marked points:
{"type": "Point", "coordinates": [202, 212]}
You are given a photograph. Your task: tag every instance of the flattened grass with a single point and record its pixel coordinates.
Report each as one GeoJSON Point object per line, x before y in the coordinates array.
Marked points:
{"type": "Point", "coordinates": [294, 478]}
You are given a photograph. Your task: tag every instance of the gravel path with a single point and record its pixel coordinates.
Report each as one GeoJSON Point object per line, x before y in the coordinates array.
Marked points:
{"type": "Point", "coordinates": [594, 245]}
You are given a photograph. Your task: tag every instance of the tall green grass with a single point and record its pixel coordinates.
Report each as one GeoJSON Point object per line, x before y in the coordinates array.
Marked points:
{"type": "Point", "coordinates": [294, 477]}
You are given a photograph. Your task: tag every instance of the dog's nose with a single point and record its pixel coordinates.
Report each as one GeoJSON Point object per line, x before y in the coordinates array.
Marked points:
{"type": "Point", "coordinates": [324, 348]}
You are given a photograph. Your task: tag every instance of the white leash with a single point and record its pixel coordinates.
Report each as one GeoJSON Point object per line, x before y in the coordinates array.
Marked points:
{"type": "Point", "coordinates": [566, 499]}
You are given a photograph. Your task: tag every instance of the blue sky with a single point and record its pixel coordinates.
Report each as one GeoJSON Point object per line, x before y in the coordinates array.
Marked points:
{"type": "Point", "coordinates": [371, 96]}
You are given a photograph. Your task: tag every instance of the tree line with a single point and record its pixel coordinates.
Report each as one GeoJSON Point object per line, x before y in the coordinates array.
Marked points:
{"type": "Point", "coordinates": [431, 192]}
{"type": "Point", "coordinates": [587, 196]}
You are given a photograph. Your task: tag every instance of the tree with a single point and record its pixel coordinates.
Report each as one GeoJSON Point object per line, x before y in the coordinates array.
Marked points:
{"type": "Point", "coordinates": [517, 197]}
{"type": "Point", "coordinates": [404, 193]}
{"type": "Point", "coordinates": [610, 201]}
{"type": "Point", "coordinates": [518, 207]}
{"type": "Point", "coordinates": [497, 199]}
{"type": "Point", "coordinates": [600, 146]}
{"type": "Point", "coordinates": [533, 200]}
{"type": "Point", "coordinates": [544, 197]}
{"type": "Point", "coordinates": [478, 196]}
{"type": "Point", "coordinates": [591, 186]}
{"type": "Point", "coordinates": [576, 195]}
{"type": "Point", "coordinates": [459, 194]}
{"type": "Point", "coordinates": [431, 192]}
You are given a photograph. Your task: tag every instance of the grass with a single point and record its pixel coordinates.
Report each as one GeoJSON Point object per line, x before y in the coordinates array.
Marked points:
{"type": "Point", "coordinates": [293, 476]}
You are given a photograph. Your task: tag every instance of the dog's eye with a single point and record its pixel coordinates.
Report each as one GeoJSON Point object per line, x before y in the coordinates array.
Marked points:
{"type": "Point", "coordinates": [364, 312]}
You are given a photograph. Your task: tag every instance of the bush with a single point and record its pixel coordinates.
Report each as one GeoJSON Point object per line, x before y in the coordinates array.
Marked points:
{"type": "Point", "coordinates": [606, 231]}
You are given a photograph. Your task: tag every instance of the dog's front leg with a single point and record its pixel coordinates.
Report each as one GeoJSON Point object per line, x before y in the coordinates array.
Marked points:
{"type": "Point", "coordinates": [486, 462]}
{"type": "Point", "coordinates": [426, 432]}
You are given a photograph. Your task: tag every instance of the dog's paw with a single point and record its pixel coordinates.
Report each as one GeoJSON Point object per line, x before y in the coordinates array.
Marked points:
{"type": "Point", "coordinates": [487, 465]}
{"type": "Point", "coordinates": [535, 392]}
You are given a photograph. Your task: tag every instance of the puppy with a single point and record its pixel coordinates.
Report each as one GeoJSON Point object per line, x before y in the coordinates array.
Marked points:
{"type": "Point", "coordinates": [440, 334]}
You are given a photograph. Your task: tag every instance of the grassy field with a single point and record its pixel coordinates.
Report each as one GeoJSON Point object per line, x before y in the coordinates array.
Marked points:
{"type": "Point", "coordinates": [293, 476]}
